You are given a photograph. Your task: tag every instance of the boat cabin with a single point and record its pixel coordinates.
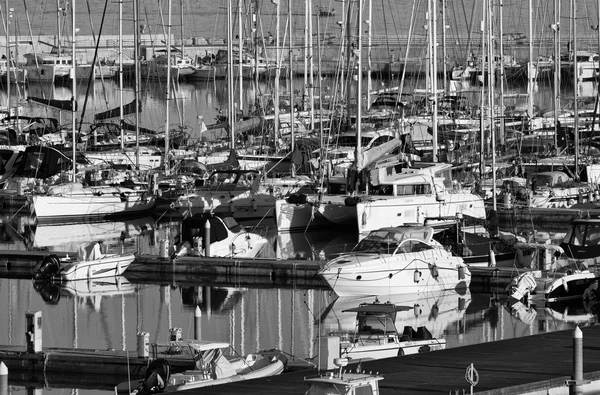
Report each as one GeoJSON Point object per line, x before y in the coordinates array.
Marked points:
{"type": "Point", "coordinates": [397, 240]}
{"type": "Point", "coordinates": [376, 318]}
{"type": "Point", "coordinates": [405, 179]}
{"type": "Point", "coordinates": [35, 59]}
{"type": "Point", "coordinates": [582, 241]}
{"type": "Point", "coordinates": [232, 179]}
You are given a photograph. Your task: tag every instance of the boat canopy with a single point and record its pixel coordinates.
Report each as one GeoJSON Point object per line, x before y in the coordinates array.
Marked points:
{"type": "Point", "coordinates": [89, 251]}
{"type": "Point", "coordinates": [377, 308]}
{"type": "Point", "coordinates": [197, 345]}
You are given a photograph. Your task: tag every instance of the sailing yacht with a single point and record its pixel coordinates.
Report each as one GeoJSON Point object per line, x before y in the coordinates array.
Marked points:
{"type": "Point", "coordinates": [47, 67]}
{"type": "Point", "coordinates": [156, 68]}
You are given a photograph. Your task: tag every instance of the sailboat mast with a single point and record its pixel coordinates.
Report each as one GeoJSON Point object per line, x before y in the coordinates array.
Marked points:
{"type": "Point", "coordinates": [530, 65]}
{"type": "Point", "coordinates": [122, 133]}
{"type": "Point", "coordinates": [59, 10]}
{"type": "Point", "coordinates": [359, 85]}
{"type": "Point", "coordinates": [369, 57]}
{"type": "Point", "coordinates": [136, 93]}
{"type": "Point", "coordinates": [230, 107]}
{"type": "Point", "coordinates": [291, 76]}
{"type": "Point", "coordinates": [8, 60]}
{"type": "Point", "coordinates": [73, 90]}
{"type": "Point", "coordinates": [556, 28]}
{"type": "Point", "coordinates": [277, 73]}
{"type": "Point", "coordinates": [444, 53]}
{"type": "Point", "coordinates": [575, 90]}
{"type": "Point", "coordinates": [311, 74]}
{"type": "Point", "coordinates": [240, 55]}
{"type": "Point", "coordinates": [501, 59]}
{"type": "Point", "coordinates": [434, 120]}
{"type": "Point", "coordinates": [491, 74]}
{"type": "Point", "coordinates": [168, 89]}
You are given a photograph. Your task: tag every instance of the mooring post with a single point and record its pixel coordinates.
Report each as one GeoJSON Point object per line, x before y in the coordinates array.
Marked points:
{"type": "Point", "coordinates": [207, 238]}
{"type": "Point", "coordinates": [197, 321]}
{"type": "Point", "coordinates": [3, 379]}
{"type": "Point", "coordinates": [576, 387]}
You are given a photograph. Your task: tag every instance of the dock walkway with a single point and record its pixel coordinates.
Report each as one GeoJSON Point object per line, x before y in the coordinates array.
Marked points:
{"type": "Point", "coordinates": [504, 367]}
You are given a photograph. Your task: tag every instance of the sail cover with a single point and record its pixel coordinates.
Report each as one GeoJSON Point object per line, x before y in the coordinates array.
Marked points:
{"type": "Point", "coordinates": [128, 108]}
{"type": "Point", "coordinates": [68, 105]}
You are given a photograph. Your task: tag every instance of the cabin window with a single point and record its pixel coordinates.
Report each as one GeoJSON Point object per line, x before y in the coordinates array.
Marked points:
{"type": "Point", "coordinates": [363, 390]}
{"type": "Point", "coordinates": [414, 246]}
{"type": "Point", "coordinates": [446, 174]}
{"type": "Point", "coordinates": [381, 140]}
{"type": "Point", "coordinates": [385, 190]}
{"type": "Point", "coordinates": [578, 234]}
{"type": "Point", "coordinates": [418, 189]}
{"type": "Point", "coordinates": [592, 236]}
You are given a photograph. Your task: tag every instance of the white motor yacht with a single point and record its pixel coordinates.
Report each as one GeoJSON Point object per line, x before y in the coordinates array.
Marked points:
{"type": "Point", "coordinates": [396, 260]}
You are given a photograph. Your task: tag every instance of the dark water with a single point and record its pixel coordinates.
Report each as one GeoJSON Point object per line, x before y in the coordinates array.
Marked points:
{"type": "Point", "coordinates": [108, 315]}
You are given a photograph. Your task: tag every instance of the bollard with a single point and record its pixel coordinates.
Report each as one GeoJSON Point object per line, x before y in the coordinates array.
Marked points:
{"type": "Point", "coordinates": [207, 238]}
{"type": "Point", "coordinates": [143, 346]}
{"type": "Point", "coordinates": [164, 248]}
{"type": "Point", "coordinates": [3, 379]}
{"type": "Point", "coordinates": [576, 385]}
{"type": "Point", "coordinates": [197, 323]}
{"type": "Point", "coordinates": [33, 324]}
{"type": "Point", "coordinates": [491, 259]}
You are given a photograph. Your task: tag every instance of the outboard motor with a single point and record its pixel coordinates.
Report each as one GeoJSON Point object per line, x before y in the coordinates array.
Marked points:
{"type": "Point", "coordinates": [157, 377]}
{"type": "Point", "coordinates": [49, 268]}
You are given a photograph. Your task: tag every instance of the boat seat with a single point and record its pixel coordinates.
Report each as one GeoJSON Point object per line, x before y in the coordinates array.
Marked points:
{"type": "Point", "coordinates": [423, 333]}
{"type": "Point", "coordinates": [182, 379]}
{"type": "Point", "coordinates": [409, 332]}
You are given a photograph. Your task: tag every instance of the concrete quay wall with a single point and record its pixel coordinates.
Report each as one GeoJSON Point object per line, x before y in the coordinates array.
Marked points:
{"type": "Point", "coordinates": [388, 53]}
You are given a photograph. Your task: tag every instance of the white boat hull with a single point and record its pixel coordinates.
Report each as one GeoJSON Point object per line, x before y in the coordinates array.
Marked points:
{"type": "Point", "coordinates": [415, 273]}
{"type": "Point", "coordinates": [374, 214]}
{"type": "Point", "coordinates": [381, 348]}
{"type": "Point", "coordinates": [90, 204]}
{"type": "Point", "coordinates": [107, 266]}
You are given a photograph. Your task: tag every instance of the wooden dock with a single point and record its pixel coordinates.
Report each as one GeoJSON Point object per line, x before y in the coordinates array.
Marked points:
{"type": "Point", "coordinates": [273, 271]}
{"type": "Point", "coordinates": [504, 367]}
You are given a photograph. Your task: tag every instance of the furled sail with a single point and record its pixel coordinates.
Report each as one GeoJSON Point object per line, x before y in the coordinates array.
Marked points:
{"type": "Point", "coordinates": [60, 104]}
{"type": "Point", "coordinates": [128, 108]}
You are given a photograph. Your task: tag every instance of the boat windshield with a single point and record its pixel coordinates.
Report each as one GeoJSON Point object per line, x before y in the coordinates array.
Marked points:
{"type": "Point", "coordinates": [350, 141]}
{"type": "Point", "coordinates": [232, 224]}
{"type": "Point", "coordinates": [583, 235]}
{"type": "Point", "coordinates": [379, 242]}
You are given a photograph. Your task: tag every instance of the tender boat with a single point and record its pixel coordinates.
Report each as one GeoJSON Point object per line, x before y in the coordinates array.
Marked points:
{"type": "Point", "coordinates": [90, 264]}
{"type": "Point", "coordinates": [376, 335]}
{"type": "Point", "coordinates": [343, 382]}
{"type": "Point", "coordinates": [396, 260]}
{"type": "Point", "coordinates": [212, 367]}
